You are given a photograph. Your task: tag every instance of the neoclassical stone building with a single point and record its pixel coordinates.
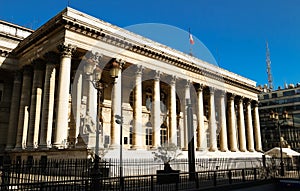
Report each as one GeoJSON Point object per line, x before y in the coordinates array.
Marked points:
{"type": "Point", "coordinates": [49, 101]}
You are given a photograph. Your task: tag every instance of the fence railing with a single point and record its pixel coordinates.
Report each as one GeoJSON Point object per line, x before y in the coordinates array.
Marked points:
{"type": "Point", "coordinates": [78, 174]}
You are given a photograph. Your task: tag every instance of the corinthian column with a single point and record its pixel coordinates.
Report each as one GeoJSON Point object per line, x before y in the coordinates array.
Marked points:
{"type": "Point", "coordinates": [201, 136]}
{"type": "Point", "coordinates": [24, 104]}
{"type": "Point", "coordinates": [212, 121]}
{"type": "Point", "coordinates": [61, 131]}
{"type": "Point", "coordinates": [116, 109]}
{"type": "Point", "coordinates": [35, 105]}
{"type": "Point", "coordinates": [138, 128]}
{"type": "Point", "coordinates": [257, 134]}
{"type": "Point", "coordinates": [48, 101]}
{"type": "Point", "coordinates": [173, 117]}
{"type": "Point", "coordinates": [250, 141]}
{"type": "Point", "coordinates": [232, 125]}
{"type": "Point", "coordinates": [156, 110]}
{"type": "Point", "coordinates": [14, 110]}
{"type": "Point", "coordinates": [241, 126]}
{"type": "Point", "coordinates": [223, 132]}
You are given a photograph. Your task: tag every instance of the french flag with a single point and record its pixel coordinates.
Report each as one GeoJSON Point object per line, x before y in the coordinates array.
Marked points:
{"type": "Point", "coordinates": [191, 39]}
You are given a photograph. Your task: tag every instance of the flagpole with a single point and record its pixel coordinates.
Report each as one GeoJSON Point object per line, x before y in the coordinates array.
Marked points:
{"type": "Point", "coordinates": [191, 42]}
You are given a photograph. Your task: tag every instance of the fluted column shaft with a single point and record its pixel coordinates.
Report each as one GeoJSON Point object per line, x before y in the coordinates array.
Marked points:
{"type": "Point", "coordinates": [138, 128]}
{"type": "Point", "coordinates": [201, 136]}
{"type": "Point", "coordinates": [48, 106]}
{"type": "Point", "coordinates": [14, 110]}
{"type": "Point", "coordinates": [173, 117]}
{"type": "Point", "coordinates": [77, 104]}
{"type": "Point", "coordinates": [241, 126]}
{"type": "Point", "coordinates": [212, 121]}
{"type": "Point", "coordinates": [35, 105]}
{"type": "Point", "coordinates": [223, 132]}
{"type": "Point", "coordinates": [250, 141]}
{"type": "Point", "coordinates": [156, 110]}
{"type": "Point", "coordinates": [116, 110]}
{"type": "Point", "coordinates": [61, 130]}
{"type": "Point", "coordinates": [23, 110]}
{"type": "Point", "coordinates": [232, 125]}
{"type": "Point", "coordinates": [257, 133]}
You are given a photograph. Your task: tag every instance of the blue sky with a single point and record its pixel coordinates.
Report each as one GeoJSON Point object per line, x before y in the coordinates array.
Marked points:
{"type": "Point", "coordinates": [235, 31]}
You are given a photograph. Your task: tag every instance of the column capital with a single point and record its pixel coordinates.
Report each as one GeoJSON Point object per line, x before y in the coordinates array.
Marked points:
{"type": "Point", "coordinates": [51, 58]}
{"type": "Point", "coordinates": [248, 102]}
{"type": "Point", "coordinates": [212, 90]}
{"type": "Point", "coordinates": [255, 102]}
{"type": "Point", "coordinates": [199, 87]}
{"type": "Point", "coordinates": [241, 99]}
{"type": "Point", "coordinates": [139, 69]}
{"type": "Point", "coordinates": [222, 93]}
{"type": "Point", "coordinates": [120, 61]}
{"type": "Point", "coordinates": [173, 80]}
{"type": "Point", "coordinates": [66, 49]}
{"type": "Point", "coordinates": [157, 75]}
{"type": "Point", "coordinates": [188, 83]}
{"type": "Point", "coordinates": [231, 96]}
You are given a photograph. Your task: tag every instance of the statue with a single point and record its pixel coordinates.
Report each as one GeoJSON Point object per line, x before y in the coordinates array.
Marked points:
{"type": "Point", "coordinates": [88, 124]}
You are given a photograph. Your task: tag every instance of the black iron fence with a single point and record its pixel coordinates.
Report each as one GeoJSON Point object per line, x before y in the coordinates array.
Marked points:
{"type": "Point", "coordinates": [138, 174]}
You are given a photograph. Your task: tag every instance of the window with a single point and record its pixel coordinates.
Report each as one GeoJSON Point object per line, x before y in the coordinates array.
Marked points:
{"type": "Point", "coordinates": [289, 93]}
{"type": "Point", "coordinates": [274, 95]}
{"type": "Point", "coordinates": [266, 96]}
{"type": "Point", "coordinates": [163, 134]}
{"type": "Point", "coordinates": [149, 136]}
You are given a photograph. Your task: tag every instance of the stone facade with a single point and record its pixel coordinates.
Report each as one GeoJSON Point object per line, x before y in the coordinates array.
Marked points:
{"type": "Point", "coordinates": [52, 102]}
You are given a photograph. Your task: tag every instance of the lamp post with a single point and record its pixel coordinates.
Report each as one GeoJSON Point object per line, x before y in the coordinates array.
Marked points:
{"type": "Point", "coordinates": [191, 147]}
{"type": "Point", "coordinates": [91, 68]}
{"type": "Point", "coordinates": [275, 117]}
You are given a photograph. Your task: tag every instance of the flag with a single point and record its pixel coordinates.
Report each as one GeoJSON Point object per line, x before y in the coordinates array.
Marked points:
{"type": "Point", "coordinates": [191, 39]}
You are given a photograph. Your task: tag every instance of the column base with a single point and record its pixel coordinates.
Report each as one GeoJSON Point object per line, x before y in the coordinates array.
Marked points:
{"type": "Point", "coordinates": [200, 149]}
{"type": "Point", "coordinates": [213, 149]}
{"type": "Point", "coordinates": [224, 150]}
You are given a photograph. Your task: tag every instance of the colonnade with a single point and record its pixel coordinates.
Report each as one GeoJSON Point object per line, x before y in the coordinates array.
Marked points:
{"type": "Point", "coordinates": [39, 112]}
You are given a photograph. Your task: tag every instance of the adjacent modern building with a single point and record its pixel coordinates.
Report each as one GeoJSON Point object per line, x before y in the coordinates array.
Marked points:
{"type": "Point", "coordinates": [280, 101]}
{"type": "Point", "coordinates": [78, 83]}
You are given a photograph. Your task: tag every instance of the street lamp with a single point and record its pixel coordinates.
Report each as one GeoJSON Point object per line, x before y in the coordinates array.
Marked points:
{"type": "Point", "coordinates": [274, 116]}
{"type": "Point", "coordinates": [91, 68]}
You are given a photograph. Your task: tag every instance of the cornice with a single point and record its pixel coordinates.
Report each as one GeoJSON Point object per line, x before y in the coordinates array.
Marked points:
{"type": "Point", "coordinates": [67, 22]}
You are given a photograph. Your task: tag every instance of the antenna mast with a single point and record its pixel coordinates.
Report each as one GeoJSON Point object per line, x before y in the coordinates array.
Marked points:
{"type": "Point", "coordinates": [268, 62]}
